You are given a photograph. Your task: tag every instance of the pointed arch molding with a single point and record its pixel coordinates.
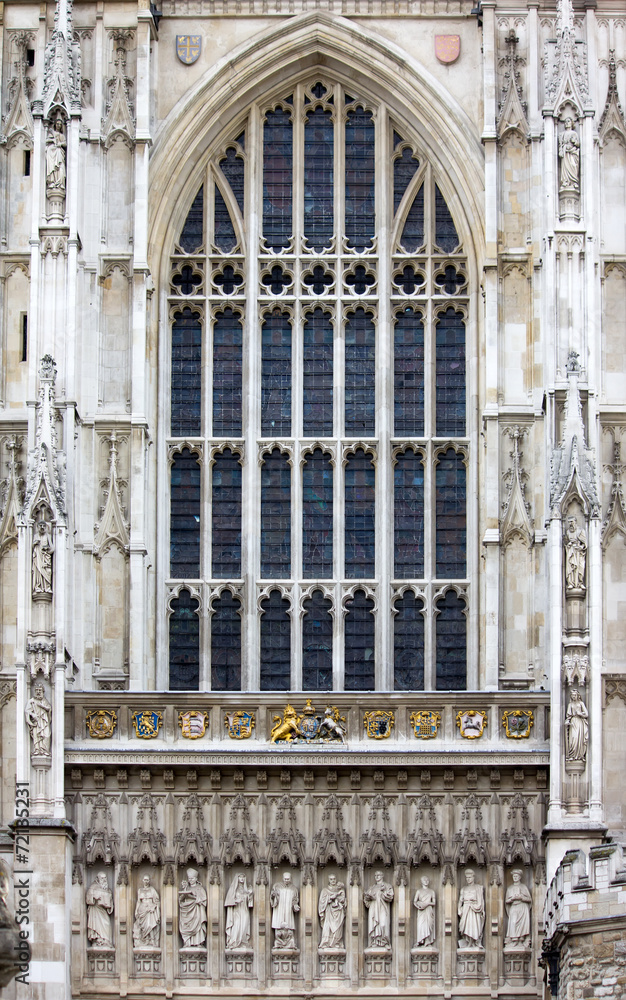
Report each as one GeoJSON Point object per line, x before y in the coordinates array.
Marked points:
{"type": "Point", "coordinates": [293, 49]}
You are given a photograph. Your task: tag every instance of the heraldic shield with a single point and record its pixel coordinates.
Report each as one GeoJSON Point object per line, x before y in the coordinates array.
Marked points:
{"type": "Point", "coordinates": [188, 48]}
{"type": "Point", "coordinates": [193, 724]}
{"type": "Point", "coordinates": [239, 724]}
{"type": "Point", "coordinates": [147, 724]}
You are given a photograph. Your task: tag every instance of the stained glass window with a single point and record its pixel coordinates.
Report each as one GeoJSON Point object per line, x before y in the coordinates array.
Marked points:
{"type": "Point", "coordinates": [360, 516]}
{"type": "Point", "coordinates": [413, 232]}
{"type": "Point", "coordinates": [317, 644]}
{"type": "Point", "coordinates": [226, 515]}
{"type": "Point", "coordinates": [451, 642]}
{"type": "Point", "coordinates": [408, 379]}
{"type": "Point", "coordinates": [318, 177]}
{"type": "Point", "coordinates": [450, 373]}
{"type": "Point", "coordinates": [232, 166]}
{"type": "Point", "coordinates": [317, 379]}
{"type": "Point", "coordinates": [359, 657]}
{"type": "Point", "coordinates": [275, 516]}
{"type": "Point", "coordinates": [404, 167]}
{"type": "Point", "coordinates": [277, 178]}
{"type": "Point", "coordinates": [360, 162]}
{"type": "Point", "coordinates": [225, 238]}
{"type": "Point", "coordinates": [450, 516]}
{"type": "Point", "coordinates": [226, 643]}
{"type": "Point", "coordinates": [360, 375]}
{"type": "Point", "coordinates": [227, 360]}
{"type": "Point", "coordinates": [185, 516]}
{"type": "Point", "coordinates": [191, 238]}
{"type": "Point", "coordinates": [408, 643]}
{"type": "Point", "coordinates": [445, 231]}
{"type": "Point", "coordinates": [276, 375]}
{"type": "Point", "coordinates": [317, 516]}
{"type": "Point", "coordinates": [409, 516]}
{"type": "Point", "coordinates": [275, 643]}
{"type": "Point", "coordinates": [184, 643]}
{"type": "Point", "coordinates": [186, 375]}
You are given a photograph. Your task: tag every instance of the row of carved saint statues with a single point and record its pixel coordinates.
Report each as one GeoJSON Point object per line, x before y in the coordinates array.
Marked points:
{"type": "Point", "coordinates": [285, 904]}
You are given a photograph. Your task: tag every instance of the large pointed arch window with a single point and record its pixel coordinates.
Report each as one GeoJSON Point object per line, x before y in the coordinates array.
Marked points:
{"type": "Point", "coordinates": [319, 318]}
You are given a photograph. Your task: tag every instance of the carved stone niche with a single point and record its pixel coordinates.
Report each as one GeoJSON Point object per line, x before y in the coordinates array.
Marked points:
{"type": "Point", "coordinates": [517, 966]}
{"type": "Point", "coordinates": [100, 962]}
{"type": "Point", "coordinates": [193, 963]}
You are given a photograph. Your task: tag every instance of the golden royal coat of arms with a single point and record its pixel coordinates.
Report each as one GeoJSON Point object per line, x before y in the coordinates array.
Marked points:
{"type": "Point", "coordinates": [239, 724]}
{"type": "Point", "coordinates": [101, 723]}
{"type": "Point", "coordinates": [309, 727]}
{"type": "Point", "coordinates": [471, 723]}
{"type": "Point", "coordinates": [193, 724]}
{"type": "Point", "coordinates": [147, 724]}
{"type": "Point", "coordinates": [379, 724]}
{"type": "Point", "coordinates": [425, 724]}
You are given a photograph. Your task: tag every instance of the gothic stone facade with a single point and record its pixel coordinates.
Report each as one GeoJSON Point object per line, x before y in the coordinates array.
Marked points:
{"type": "Point", "coordinates": [403, 225]}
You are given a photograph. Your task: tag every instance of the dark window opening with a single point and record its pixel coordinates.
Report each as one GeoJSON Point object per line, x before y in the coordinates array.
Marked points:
{"type": "Point", "coordinates": [408, 643]}
{"type": "Point", "coordinates": [184, 644]}
{"type": "Point", "coordinates": [226, 643]}
{"type": "Point", "coordinates": [275, 643]}
{"type": "Point", "coordinates": [359, 643]}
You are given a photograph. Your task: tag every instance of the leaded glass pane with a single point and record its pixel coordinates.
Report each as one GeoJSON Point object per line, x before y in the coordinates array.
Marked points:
{"type": "Point", "coordinates": [276, 516]}
{"type": "Point", "coordinates": [275, 643]}
{"type": "Point", "coordinates": [227, 374]}
{"type": "Point", "coordinates": [276, 375]}
{"type": "Point", "coordinates": [359, 658]}
{"type": "Point", "coordinates": [185, 516]}
{"type": "Point", "coordinates": [450, 374]}
{"type": "Point", "coordinates": [191, 238]}
{"type": "Point", "coordinates": [408, 643]}
{"type": "Point", "coordinates": [404, 167]}
{"type": "Point", "coordinates": [226, 643]}
{"type": "Point", "coordinates": [450, 516]}
{"type": "Point", "coordinates": [277, 179]}
{"type": "Point", "coordinates": [360, 516]}
{"type": "Point", "coordinates": [317, 516]}
{"type": "Point", "coordinates": [445, 231]}
{"type": "Point", "coordinates": [408, 378]}
{"type": "Point", "coordinates": [451, 642]}
{"type": "Point", "coordinates": [317, 376]}
{"type": "Point", "coordinates": [318, 178]}
{"type": "Point", "coordinates": [226, 515]}
{"type": "Point", "coordinates": [413, 232]}
{"type": "Point", "coordinates": [184, 643]}
{"type": "Point", "coordinates": [360, 375]}
{"type": "Point", "coordinates": [317, 644]}
{"type": "Point", "coordinates": [186, 375]}
{"type": "Point", "coordinates": [359, 178]}
{"type": "Point", "coordinates": [225, 238]}
{"type": "Point", "coordinates": [232, 166]}
{"type": "Point", "coordinates": [409, 516]}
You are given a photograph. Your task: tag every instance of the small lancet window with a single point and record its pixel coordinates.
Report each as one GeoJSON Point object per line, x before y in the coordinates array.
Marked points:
{"type": "Point", "coordinates": [276, 375]}
{"type": "Point", "coordinates": [413, 232]}
{"type": "Point", "coordinates": [226, 516]}
{"type": "Point", "coordinates": [359, 657]}
{"type": "Point", "coordinates": [408, 377]}
{"type": "Point", "coordinates": [450, 374]}
{"type": "Point", "coordinates": [225, 237]}
{"type": "Point", "coordinates": [227, 374]}
{"type": "Point", "coordinates": [192, 238]}
{"type": "Point", "coordinates": [277, 179]}
{"type": "Point", "coordinates": [409, 516]}
{"type": "Point", "coordinates": [360, 509]}
{"type": "Point", "coordinates": [445, 231]}
{"type": "Point", "coordinates": [318, 178]}
{"type": "Point", "coordinates": [275, 643]}
{"type": "Point", "coordinates": [184, 643]}
{"type": "Point", "coordinates": [408, 643]}
{"type": "Point", "coordinates": [185, 516]}
{"type": "Point", "coordinates": [317, 644]}
{"type": "Point", "coordinates": [360, 377]}
{"type": "Point", "coordinates": [318, 375]}
{"type": "Point", "coordinates": [232, 166]}
{"type": "Point", "coordinates": [276, 516]}
{"type": "Point", "coordinates": [404, 168]}
{"type": "Point", "coordinates": [226, 643]}
{"type": "Point", "coordinates": [451, 643]}
{"type": "Point", "coordinates": [450, 516]}
{"type": "Point", "coordinates": [360, 156]}
{"type": "Point", "coordinates": [317, 516]}
{"type": "Point", "coordinates": [186, 374]}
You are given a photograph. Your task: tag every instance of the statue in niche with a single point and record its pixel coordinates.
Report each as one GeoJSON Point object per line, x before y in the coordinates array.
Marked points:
{"type": "Point", "coordinates": [576, 728]}
{"type": "Point", "coordinates": [285, 903]}
{"type": "Point", "coordinates": [517, 904]}
{"type": "Point", "coordinates": [424, 902]}
{"type": "Point", "coordinates": [575, 542]}
{"type": "Point", "coordinates": [377, 900]}
{"type": "Point", "coordinates": [147, 916]}
{"type": "Point", "coordinates": [42, 559]}
{"type": "Point", "coordinates": [99, 900]}
{"type": "Point", "coordinates": [56, 145]}
{"type": "Point", "coordinates": [332, 913]}
{"type": "Point", "coordinates": [569, 155]}
{"type": "Point", "coordinates": [239, 901]}
{"type": "Point", "coordinates": [38, 713]}
{"type": "Point", "coordinates": [471, 912]}
{"type": "Point", "coordinates": [192, 911]}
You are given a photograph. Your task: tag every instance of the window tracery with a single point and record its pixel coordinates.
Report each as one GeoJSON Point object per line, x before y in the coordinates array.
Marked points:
{"type": "Point", "coordinates": [342, 332]}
